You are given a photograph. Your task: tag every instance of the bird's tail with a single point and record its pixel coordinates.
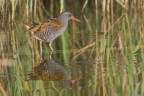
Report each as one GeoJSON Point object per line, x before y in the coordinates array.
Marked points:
{"type": "Point", "coordinates": [30, 25]}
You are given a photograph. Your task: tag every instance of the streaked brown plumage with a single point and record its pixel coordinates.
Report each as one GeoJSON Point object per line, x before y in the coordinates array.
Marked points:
{"type": "Point", "coordinates": [40, 28]}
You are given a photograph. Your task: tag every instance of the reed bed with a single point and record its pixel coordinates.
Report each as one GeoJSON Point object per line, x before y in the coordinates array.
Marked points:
{"type": "Point", "coordinates": [108, 43]}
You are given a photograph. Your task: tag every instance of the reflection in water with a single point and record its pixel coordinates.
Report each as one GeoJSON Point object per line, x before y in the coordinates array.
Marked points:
{"type": "Point", "coordinates": [49, 70]}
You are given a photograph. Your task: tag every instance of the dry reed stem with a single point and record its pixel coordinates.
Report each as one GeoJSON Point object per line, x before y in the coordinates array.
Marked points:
{"type": "Point", "coordinates": [86, 1]}
{"type": "Point", "coordinates": [80, 51]}
{"type": "Point", "coordinates": [2, 90]}
{"type": "Point", "coordinates": [117, 21]}
{"type": "Point", "coordinates": [124, 6]}
{"type": "Point", "coordinates": [87, 22]}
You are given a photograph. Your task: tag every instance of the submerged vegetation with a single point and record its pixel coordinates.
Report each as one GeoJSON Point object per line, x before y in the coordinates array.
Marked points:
{"type": "Point", "coordinates": [104, 50]}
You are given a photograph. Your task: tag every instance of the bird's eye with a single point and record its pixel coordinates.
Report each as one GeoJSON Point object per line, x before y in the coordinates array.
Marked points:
{"type": "Point", "coordinates": [70, 15]}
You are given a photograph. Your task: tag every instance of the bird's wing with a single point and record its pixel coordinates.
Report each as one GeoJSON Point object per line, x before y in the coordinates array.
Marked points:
{"type": "Point", "coordinates": [47, 25]}
{"type": "Point", "coordinates": [31, 25]}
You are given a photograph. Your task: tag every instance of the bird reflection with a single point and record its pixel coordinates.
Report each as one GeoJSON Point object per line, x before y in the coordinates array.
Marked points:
{"type": "Point", "coordinates": [49, 70]}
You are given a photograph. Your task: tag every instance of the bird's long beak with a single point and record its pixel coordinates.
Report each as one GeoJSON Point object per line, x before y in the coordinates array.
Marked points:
{"type": "Point", "coordinates": [73, 18]}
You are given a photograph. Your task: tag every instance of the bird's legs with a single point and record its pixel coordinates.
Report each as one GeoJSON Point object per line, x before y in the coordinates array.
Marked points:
{"type": "Point", "coordinates": [49, 45]}
{"type": "Point", "coordinates": [41, 50]}
{"type": "Point", "coordinates": [50, 58]}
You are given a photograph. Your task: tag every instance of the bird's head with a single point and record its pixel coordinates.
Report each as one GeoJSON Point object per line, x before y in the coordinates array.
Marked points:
{"type": "Point", "coordinates": [66, 15]}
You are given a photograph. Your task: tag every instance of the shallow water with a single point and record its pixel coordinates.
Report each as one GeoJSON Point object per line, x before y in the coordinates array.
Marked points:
{"type": "Point", "coordinates": [80, 75]}
{"type": "Point", "coordinates": [50, 76]}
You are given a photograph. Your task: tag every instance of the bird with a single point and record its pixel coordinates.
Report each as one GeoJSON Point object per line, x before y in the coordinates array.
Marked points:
{"type": "Point", "coordinates": [49, 70]}
{"type": "Point", "coordinates": [51, 28]}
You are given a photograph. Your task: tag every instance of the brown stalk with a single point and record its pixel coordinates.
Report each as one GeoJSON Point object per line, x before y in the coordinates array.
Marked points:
{"type": "Point", "coordinates": [2, 90]}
